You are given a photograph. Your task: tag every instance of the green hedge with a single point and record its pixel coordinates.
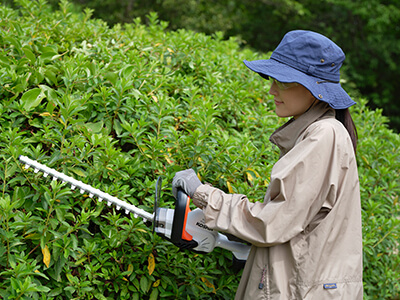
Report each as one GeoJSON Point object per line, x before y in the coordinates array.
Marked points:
{"type": "Point", "coordinates": [116, 108]}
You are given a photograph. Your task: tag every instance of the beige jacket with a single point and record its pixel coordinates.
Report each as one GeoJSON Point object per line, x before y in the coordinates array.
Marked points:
{"type": "Point", "coordinates": [306, 235]}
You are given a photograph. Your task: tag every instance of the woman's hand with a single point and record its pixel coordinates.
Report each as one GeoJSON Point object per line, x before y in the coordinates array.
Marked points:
{"type": "Point", "coordinates": [186, 180]}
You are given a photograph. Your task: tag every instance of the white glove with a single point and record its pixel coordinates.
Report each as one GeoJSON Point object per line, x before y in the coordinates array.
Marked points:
{"type": "Point", "coordinates": [186, 180]}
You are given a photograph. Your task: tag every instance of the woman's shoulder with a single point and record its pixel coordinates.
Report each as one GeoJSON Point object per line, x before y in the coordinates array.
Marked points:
{"type": "Point", "coordinates": [328, 131]}
{"type": "Point", "coordinates": [327, 126]}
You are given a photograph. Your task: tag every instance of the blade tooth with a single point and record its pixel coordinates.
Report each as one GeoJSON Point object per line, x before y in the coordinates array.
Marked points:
{"type": "Point", "coordinates": [54, 178]}
{"type": "Point", "coordinates": [100, 199]}
{"type": "Point", "coordinates": [109, 203]}
{"type": "Point", "coordinates": [126, 211]}
{"type": "Point", "coordinates": [73, 187]}
{"type": "Point", "coordinates": [27, 166]}
{"type": "Point", "coordinates": [36, 170]}
{"type": "Point", "coordinates": [135, 216]}
{"type": "Point", "coordinates": [118, 207]}
{"type": "Point", "coordinates": [90, 195]}
{"type": "Point", "coordinates": [82, 191]}
{"type": "Point", "coordinates": [45, 174]}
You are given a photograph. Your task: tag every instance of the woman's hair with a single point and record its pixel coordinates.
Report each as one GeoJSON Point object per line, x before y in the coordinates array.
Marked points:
{"type": "Point", "coordinates": [344, 116]}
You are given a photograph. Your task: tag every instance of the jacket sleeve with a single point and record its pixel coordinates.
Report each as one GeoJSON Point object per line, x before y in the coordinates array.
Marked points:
{"type": "Point", "coordinates": [301, 182]}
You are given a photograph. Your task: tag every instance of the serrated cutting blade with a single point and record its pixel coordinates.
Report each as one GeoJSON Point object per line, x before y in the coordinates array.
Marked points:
{"type": "Point", "coordinates": [83, 187]}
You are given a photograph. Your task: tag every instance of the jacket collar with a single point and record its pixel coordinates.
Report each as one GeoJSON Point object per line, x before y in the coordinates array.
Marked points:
{"type": "Point", "coordinates": [285, 137]}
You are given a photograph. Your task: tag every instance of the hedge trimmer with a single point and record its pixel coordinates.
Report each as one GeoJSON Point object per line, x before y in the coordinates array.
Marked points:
{"type": "Point", "coordinates": [181, 226]}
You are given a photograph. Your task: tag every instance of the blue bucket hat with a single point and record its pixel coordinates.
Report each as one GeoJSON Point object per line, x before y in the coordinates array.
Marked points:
{"type": "Point", "coordinates": [311, 60]}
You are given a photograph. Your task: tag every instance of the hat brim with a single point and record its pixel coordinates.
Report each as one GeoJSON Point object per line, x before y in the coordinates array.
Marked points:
{"type": "Point", "coordinates": [327, 91]}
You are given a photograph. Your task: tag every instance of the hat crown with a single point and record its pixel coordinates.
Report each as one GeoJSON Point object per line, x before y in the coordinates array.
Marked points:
{"type": "Point", "coordinates": [310, 53]}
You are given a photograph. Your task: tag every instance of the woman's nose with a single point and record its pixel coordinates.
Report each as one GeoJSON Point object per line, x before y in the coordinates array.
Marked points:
{"type": "Point", "coordinates": [273, 90]}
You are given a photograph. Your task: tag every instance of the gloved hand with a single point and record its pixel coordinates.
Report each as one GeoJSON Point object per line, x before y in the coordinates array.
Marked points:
{"type": "Point", "coordinates": [187, 180]}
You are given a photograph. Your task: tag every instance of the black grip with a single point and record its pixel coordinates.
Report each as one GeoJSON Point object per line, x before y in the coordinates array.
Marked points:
{"type": "Point", "coordinates": [237, 264]}
{"type": "Point", "coordinates": [178, 226]}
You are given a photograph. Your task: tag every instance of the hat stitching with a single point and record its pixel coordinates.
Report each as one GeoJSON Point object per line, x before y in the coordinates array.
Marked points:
{"type": "Point", "coordinates": [305, 68]}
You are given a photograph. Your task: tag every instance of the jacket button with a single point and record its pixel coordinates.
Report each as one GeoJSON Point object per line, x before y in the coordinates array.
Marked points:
{"type": "Point", "coordinates": [333, 64]}
{"type": "Point", "coordinates": [322, 60]}
{"type": "Point", "coordinates": [320, 96]}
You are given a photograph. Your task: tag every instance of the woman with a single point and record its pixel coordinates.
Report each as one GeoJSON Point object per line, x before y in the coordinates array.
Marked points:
{"type": "Point", "coordinates": [306, 235]}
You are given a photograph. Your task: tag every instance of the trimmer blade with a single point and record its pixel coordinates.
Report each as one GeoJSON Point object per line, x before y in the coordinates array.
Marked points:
{"type": "Point", "coordinates": [85, 188]}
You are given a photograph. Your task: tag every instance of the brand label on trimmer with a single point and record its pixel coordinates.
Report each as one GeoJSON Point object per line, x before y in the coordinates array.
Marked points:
{"type": "Point", "coordinates": [202, 225]}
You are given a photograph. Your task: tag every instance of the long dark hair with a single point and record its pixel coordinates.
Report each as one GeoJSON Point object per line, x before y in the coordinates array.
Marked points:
{"type": "Point", "coordinates": [344, 116]}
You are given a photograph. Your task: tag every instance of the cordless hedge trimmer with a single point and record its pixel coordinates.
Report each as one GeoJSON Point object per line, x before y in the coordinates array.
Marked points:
{"type": "Point", "coordinates": [181, 226]}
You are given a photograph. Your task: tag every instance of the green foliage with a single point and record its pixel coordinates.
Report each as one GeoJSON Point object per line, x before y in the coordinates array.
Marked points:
{"type": "Point", "coordinates": [116, 108]}
{"type": "Point", "coordinates": [366, 30]}
{"type": "Point", "coordinates": [379, 162]}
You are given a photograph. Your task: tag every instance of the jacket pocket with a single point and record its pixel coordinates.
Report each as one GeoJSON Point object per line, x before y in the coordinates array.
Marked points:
{"type": "Point", "coordinates": [321, 215]}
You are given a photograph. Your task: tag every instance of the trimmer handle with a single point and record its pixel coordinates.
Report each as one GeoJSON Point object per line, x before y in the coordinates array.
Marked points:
{"type": "Point", "coordinates": [171, 223]}
{"type": "Point", "coordinates": [179, 233]}
{"type": "Point", "coordinates": [187, 229]}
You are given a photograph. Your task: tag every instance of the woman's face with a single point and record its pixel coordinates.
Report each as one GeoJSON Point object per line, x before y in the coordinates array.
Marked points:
{"type": "Point", "coordinates": [291, 99]}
